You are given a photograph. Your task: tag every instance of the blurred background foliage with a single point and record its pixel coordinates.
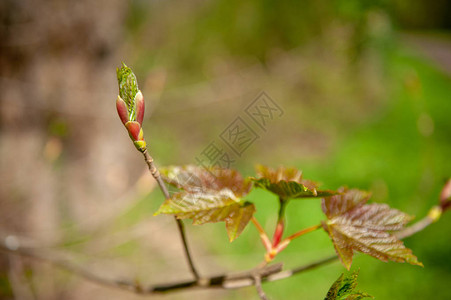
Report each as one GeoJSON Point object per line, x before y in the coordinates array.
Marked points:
{"type": "Point", "coordinates": [364, 85]}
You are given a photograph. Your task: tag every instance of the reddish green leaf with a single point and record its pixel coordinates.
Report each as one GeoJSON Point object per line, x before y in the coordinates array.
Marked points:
{"type": "Point", "coordinates": [208, 196]}
{"type": "Point", "coordinates": [196, 179]}
{"type": "Point", "coordinates": [355, 226]}
{"type": "Point", "coordinates": [287, 183]}
{"type": "Point", "coordinates": [343, 289]}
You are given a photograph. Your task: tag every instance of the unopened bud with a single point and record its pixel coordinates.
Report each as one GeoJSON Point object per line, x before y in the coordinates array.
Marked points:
{"type": "Point", "coordinates": [130, 105]}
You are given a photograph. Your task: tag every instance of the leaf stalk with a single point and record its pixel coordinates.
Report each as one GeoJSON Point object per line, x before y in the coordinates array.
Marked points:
{"type": "Point", "coordinates": [280, 226]}
{"type": "Point", "coordinates": [263, 236]}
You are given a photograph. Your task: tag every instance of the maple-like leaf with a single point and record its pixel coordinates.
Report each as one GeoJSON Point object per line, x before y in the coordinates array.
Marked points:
{"type": "Point", "coordinates": [195, 179]}
{"type": "Point", "coordinates": [343, 289]}
{"type": "Point", "coordinates": [354, 225]}
{"type": "Point", "coordinates": [208, 196]}
{"type": "Point", "coordinates": [287, 183]}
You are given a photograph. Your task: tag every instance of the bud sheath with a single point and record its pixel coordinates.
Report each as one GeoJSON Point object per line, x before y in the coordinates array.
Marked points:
{"type": "Point", "coordinates": [130, 106]}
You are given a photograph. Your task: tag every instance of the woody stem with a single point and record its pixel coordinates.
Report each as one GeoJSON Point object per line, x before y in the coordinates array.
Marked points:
{"type": "Point", "coordinates": [181, 227]}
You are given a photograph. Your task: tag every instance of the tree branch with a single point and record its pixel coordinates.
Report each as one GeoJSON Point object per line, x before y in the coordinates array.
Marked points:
{"type": "Point", "coordinates": [13, 245]}
{"type": "Point", "coordinates": [300, 269]}
{"type": "Point", "coordinates": [432, 217]}
{"type": "Point", "coordinates": [258, 286]}
{"type": "Point", "coordinates": [181, 227]}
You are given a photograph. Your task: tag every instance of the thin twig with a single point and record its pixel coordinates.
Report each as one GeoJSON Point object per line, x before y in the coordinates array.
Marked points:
{"type": "Point", "coordinates": [268, 273]}
{"type": "Point", "coordinates": [12, 244]}
{"type": "Point", "coordinates": [181, 227]}
{"type": "Point", "coordinates": [155, 173]}
{"type": "Point", "coordinates": [258, 286]}
{"type": "Point", "coordinates": [432, 217]}
{"type": "Point", "coordinates": [418, 226]}
{"type": "Point", "coordinates": [225, 281]}
{"type": "Point", "coordinates": [300, 269]}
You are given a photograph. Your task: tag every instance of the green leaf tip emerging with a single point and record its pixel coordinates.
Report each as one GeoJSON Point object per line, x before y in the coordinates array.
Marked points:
{"type": "Point", "coordinates": [343, 289]}
{"type": "Point", "coordinates": [130, 106]}
{"type": "Point", "coordinates": [128, 88]}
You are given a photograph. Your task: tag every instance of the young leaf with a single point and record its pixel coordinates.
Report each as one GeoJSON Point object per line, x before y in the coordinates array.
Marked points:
{"type": "Point", "coordinates": [287, 183]}
{"type": "Point", "coordinates": [130, 106]}
{"type": "Point", "coordinates": [128, 89]}
{"type": "Point", "coordinates": [355, 226]}
{"type": "Point", "coordinates": [343, 289]}
{"type": "Point", "coordinates": [195, 179]}
{"type": "Point", "coordinates": [209, 195]}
